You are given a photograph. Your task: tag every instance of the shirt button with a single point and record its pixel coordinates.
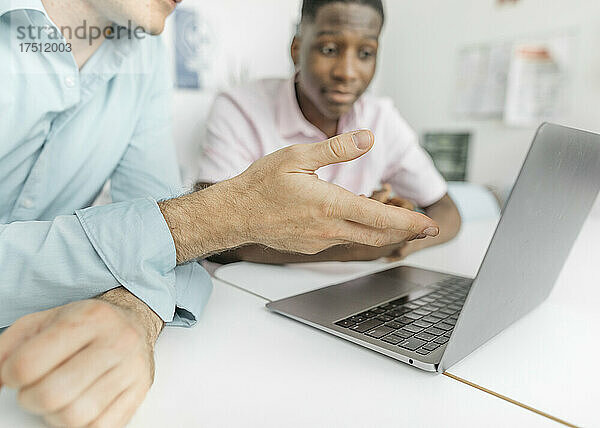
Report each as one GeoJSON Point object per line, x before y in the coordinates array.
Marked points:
{"type": "Point", "coordinates": [27, 203]}
{"type": "Point", "coordinates": [69, 82]}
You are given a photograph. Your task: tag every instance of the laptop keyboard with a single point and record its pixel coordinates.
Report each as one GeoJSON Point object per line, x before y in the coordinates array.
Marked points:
{"type": "Point", "coordinates": [421, 325]}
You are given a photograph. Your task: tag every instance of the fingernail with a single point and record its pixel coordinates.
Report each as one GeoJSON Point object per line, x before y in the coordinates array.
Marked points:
{"type": "Point", "coordinates": [432, 231]}
{"type": "Point", "coordinates": [362, 140]}
{"type": "Point", "coordinates": [421, 236]}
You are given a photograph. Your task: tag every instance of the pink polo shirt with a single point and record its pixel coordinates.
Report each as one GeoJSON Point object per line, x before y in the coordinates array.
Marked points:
{"type": "Point", "coordinates": [252, 121]}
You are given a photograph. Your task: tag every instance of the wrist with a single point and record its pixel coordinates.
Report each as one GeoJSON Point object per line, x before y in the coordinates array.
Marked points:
{"type": "Point", "coordinates": [132, 307]}
{"type": "Point", "coordinates": [205, 222]}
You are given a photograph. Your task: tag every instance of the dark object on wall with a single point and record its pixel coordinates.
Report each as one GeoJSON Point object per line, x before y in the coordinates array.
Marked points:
{"type": "Point", "coordinates": [450, 153]}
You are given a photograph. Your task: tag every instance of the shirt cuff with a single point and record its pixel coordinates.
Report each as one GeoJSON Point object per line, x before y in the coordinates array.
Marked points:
{"type": "Point", "coordinates": [134, 242]}
{"type": "Point", "coordinates": [193, 286]}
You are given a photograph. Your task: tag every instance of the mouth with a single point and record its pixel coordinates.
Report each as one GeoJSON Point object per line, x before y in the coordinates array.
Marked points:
{"type": "Point", "coordinates": [336, 96]}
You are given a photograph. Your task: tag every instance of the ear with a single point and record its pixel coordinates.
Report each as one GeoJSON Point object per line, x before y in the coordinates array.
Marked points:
{"type": "Point", "coordinates": [295, 51]}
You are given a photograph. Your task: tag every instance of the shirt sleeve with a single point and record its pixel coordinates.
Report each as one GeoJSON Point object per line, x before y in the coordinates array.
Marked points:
{"type": "Point", "coordinates": [410, 170]}
{"type": "Point", "coordinates": [148, 169]}
{"type": "Point", "coordinates": [230, 144]}
{"type": "Point", "coordinates": [46, 264]}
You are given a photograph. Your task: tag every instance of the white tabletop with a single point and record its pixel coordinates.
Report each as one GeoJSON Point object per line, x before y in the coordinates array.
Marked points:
{"type": "Point", "coordinates": [244, 366]}
{"type": "Point", "coordinates": [545, 360]}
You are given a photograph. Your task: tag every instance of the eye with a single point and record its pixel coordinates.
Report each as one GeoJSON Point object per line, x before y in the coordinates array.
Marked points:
{"type": "Point", "coordinates": [329, 49]}
{"type": "Point", "coordinates": [366, 53]}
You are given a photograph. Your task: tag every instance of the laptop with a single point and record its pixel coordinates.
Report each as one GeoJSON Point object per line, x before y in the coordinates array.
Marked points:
{"type": "Point", "coordinates": [432, 320]}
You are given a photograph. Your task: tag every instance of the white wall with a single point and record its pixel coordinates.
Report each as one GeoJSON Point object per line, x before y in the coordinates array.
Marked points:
{"type": "Point", "coordinates": [419, 65]}
{"type": "Point", "coordinates": [252, 40]}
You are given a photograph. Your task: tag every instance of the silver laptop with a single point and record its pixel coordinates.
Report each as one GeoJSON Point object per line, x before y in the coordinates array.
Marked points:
{"type": "Point", "coordinates": [432, 320]}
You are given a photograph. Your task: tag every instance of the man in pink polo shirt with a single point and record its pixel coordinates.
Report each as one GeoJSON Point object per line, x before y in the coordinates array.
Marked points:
{"type": "Point", "coordinates": [335, 55]}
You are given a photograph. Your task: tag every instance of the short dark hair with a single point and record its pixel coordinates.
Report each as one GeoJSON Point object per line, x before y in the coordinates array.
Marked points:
{"type": "Point", "coordinates": [311, 7]}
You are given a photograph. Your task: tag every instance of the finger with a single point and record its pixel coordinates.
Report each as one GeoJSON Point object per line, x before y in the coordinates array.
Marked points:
{"type": "Point", "coordinates": [95, 400]}
{"type": "Point", "coordinates": [341, 148]}
{"type": "Point", "coordinates": [63, 385]}
{"type": "Point", "coordinates": [375, 214]}
{"type": "Point", "coordinates": [45, 351]}
{"type": "Point", "coordinates": [20, 332]}
{"type": "Point", "coordinates": [374, 237]}
{"type": "Point", "coordinates": [122, 409]}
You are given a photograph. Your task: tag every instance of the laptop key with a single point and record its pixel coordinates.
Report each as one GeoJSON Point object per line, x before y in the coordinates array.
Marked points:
{"type": "Point", "coordinates": [444, 326]}
{"type": "Point", "coordinates": [404, 334]}
{"type": "Point", "coordinates": [367, 314]}
{"type": "Point", "coordinates": [384, 318]}
{"type": "Point", "coordinates": [404, 320]}
{"type": "Point", "coordinates": [421, 323]}
{"type": "Point", "coordinates": [448, 334]}
{"type": "Point", "coordinates": [411, 305]}
{"type": "Point", "coordinates": [378, 311]}
{"type": "Point", "coordinates": [413, 316]}
{"type": "Point", "coordinates": [367, 325]}
{"type": "Point", "coordinates": [425, 336]}
{"type": "Point", "coordinates": [394, 325]}
{"type": "Point", "coordinates": [441, 340]}
{"type": "Point", "coordinates": [423, 351]}
{"type": "Point", "coordinates": [393, 339]}
{"type": "Point", "coordinates": [435, 331]}
{"type": "Point", "coordinates": [357, 318]}
{"type": "Point", "coordinates": [412, 343]}
{"type": "Point", "coordinates": [395, 313]}
{"type": "Point", "coordinates": [421, 312]}
{"type": "Point", "coordinates": [431, 346]}
{"type": "Point", "coordinates": [380, 331]}
{"type": "Point", "coordinates": [345, 323]}
{"type": "Point", "coordinates": [412, 328]}
{"type": "Point", "coordinates": [430, 319]}
{"type": "Point", "coordinates": [450, 321]}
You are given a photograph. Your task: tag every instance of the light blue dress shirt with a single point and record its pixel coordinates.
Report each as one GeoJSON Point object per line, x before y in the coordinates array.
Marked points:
{"type": "Point", "coordinates": [63, 133]}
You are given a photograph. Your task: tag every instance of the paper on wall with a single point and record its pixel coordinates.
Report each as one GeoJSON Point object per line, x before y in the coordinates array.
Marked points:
{"type": "Point", "coordinates": [537, 82]}
{"type": "Point", "coordinates": [482, 79]}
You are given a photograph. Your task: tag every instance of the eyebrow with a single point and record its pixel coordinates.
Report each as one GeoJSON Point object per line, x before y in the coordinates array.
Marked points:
{"type": "Point", "coordinates": [337, 33]}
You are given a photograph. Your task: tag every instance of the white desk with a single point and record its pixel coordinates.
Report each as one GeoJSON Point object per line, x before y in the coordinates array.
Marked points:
{"type": "Point", "coordinates": [244, 366]}
{"type": "Point", "coordinates": [550, 369]}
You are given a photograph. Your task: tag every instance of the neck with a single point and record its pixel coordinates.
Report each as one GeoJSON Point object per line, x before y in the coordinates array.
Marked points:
{"type": "Point", "coordinates": [328, 126]}
{"type": "Point", "coordinates": [70, 14]}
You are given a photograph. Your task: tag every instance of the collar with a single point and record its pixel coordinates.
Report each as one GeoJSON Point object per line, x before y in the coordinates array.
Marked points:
{"type": "Point", "coordinates": [291, 121]}
{"type": "Point", "coordinates": [14, 5]}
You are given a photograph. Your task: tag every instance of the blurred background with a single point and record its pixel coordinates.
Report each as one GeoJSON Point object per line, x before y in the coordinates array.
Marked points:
{"type": "Point", "coordinates": [474, 78]}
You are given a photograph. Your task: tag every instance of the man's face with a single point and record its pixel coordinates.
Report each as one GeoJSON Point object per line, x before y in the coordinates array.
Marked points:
{"type": "Point", "coordinates": [148, 14]}
{"type": "Point", "coordinates": [336, 56]}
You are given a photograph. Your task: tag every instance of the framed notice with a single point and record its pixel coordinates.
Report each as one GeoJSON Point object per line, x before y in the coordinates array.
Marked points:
{"type": "Point", "coordinates": [450, 153]}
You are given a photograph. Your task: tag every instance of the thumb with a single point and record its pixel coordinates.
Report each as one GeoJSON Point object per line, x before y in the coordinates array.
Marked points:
{"type": "Point", "coordinates": [341, 148]}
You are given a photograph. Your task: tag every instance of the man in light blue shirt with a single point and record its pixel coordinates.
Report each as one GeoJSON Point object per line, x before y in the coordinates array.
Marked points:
{"type": "Point", "coordinates": [78, 108]}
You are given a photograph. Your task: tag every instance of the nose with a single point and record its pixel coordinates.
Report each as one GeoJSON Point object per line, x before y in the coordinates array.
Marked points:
{"type": "Point", "coordinates": [346, 68]}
